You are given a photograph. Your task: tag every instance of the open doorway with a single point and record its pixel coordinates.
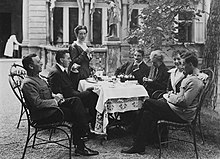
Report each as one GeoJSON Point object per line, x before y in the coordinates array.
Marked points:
{"type": "Point", "coordinates": [5, 31]}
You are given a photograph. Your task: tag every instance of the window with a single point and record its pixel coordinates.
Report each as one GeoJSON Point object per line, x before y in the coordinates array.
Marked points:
{"type": "Point", "coordinates": [190, 29]}
{"type": "Point", "coordinates": [185, 26]}
{"type": "Point", "coordinates": [133, 25]}
{"type": "Point", "coordinates": [73, 22]}
{"type": "Point", "coordinates": [134, 19]}
{"type": "Point", "coordinates": [65, 19]}
{"type": "Point", "coordinates": [97, 26]}
{"type": "Point", "coordinates": [58, 26]}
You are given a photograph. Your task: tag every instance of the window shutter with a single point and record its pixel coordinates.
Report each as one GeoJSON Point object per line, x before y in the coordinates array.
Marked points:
{"type": "Point", "coordinates": [199, 27]}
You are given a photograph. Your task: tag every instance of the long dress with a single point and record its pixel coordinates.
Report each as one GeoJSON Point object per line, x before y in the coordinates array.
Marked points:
{"type": "Point", "coordinates": [79, 56]}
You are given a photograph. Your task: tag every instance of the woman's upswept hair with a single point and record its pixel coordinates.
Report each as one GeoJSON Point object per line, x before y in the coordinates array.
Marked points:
{"type": "Point", "coordinates": [78, 28]}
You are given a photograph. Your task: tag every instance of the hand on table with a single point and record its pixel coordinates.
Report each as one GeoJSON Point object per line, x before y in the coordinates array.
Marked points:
{"type": "Point", "coordinates": [145, 79]}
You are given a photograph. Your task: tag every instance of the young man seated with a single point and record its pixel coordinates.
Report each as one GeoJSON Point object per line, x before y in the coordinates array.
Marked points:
{"type": "Point", "coordinates": [60, 82]}
{"type": "Point", "coordinates": [137, 68]}
{"type": "Point", "coordinates": [178, 107]}
{"type": "Point", "coordinates": [38, 95]}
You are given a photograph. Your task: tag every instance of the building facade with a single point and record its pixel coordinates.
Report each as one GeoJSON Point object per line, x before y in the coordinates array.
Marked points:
{"type": "Point", "coordinates": [51, 22]}
{"type": "Point", "coordinates": [42, 25]}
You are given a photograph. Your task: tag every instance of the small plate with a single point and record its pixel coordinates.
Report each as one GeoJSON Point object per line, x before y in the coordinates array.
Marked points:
{"type": "Point", "coordinates": [91, 80]}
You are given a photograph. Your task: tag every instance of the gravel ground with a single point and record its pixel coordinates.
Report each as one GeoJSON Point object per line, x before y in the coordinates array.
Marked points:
{"type": "Point", "coordinates": [12, 140]}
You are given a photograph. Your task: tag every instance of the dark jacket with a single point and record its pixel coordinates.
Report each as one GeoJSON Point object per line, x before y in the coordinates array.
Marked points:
{"type": "Point", "coordinates": [60, 82]}
{"type": "Point", "coordinates": [79, 56]}
{"type": "Point", "coordinates": [127, 69]}
{"type": "Point", "coordinates": [159, 81]}
{"type": "Point", "coordinates": [38, 95]}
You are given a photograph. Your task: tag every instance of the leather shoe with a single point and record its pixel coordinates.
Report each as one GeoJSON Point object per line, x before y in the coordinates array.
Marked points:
{"type": "Point", "coordinates": [86, 152]}
{"type": "Point", "coordinates": [133, 150]}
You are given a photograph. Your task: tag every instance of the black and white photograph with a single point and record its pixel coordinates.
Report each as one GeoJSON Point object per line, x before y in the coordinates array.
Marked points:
{"type": "Point", "coordinates": [109, 79]}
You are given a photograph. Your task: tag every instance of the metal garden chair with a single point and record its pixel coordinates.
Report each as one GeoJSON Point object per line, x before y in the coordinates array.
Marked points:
{"type": "Point", "coordinates": [15, 81]}
{"type": "Point", "coordinates": [21, 73]}
{"type": "Point", "coordinates": [173, 126]}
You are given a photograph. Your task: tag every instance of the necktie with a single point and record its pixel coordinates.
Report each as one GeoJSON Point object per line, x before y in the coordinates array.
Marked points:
{"type": "Point", "coordinates": [65, 72]}
{"type": "Point", "coordinates": [135, 66]}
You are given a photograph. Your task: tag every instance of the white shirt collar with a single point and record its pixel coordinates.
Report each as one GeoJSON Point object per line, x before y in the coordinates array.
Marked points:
{"type": "Point", "coordinates": [138, 63]}
{"type": "Point", "coordinates": [61, 67]}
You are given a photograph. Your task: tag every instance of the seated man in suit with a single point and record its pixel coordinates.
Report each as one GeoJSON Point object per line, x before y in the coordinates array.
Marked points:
{"type": "Point", "coordinates": [178, 107]}
{"type": "Point", "coordinates": [60, 82]}
{"type": "Point", "coordinates": [137, 68]}
{"type": "Point", "coordinates": [38, 95]}
{"type": "Point", "coordinates": [158, 76]}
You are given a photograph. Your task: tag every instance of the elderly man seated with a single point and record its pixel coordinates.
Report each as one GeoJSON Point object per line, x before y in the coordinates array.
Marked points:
{"type": "Point", "coordinates": [158, 76]}
{"type": "Point", "coordinates": [137, 68]}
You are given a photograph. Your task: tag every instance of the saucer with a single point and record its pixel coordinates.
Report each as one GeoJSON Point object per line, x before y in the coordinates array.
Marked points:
{"type": "Point", "coordinates": [91, 80]}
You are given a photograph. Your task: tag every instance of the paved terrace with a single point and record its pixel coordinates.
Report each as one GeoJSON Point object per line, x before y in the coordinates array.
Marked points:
{"type": "Point", "coordinates": [12, 140]}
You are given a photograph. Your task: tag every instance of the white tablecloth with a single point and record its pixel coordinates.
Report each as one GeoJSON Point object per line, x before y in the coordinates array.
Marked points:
{"type": "Point", "coordinates": [118, 97]}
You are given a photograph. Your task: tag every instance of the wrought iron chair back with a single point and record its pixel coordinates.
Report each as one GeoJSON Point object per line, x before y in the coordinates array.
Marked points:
{"type": "Point", "coordinates": [15, 80]}
{"type": "Point", "coordinates": [16, 75]}
{"type": "Point", "coordinates": [208, 86]}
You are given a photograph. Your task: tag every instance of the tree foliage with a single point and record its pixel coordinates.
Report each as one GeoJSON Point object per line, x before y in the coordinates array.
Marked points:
{"type": "Point", "coordinates": [159, 21]}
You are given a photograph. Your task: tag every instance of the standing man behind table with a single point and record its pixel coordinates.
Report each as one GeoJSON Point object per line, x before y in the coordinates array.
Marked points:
{"type": "Point", "coordinates": [38, 95]}
{"type": "Point", "coordinates": [60, 82]}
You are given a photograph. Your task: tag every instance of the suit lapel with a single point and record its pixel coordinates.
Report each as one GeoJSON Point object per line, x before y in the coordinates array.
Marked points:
{"type": "Point", "coordinates": [63, 75]}
{"type": "Point", "coordinates": [138, 67]}
{"type": "Point", "coordinates": [129, 69]}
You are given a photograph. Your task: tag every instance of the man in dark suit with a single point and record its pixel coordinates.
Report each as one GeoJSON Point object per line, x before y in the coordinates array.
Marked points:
{"type": "Point", "coordinates": [38, 96]}
{"type": "Point", "coordinates": [60, 82]}
{"type": "Point", "coordinates": [137, 68]}
{"type": "Point", "coordinates": [158, 76]}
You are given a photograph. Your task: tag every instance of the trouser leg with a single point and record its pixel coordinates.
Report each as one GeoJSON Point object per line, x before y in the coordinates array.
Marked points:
{"type": "Point", "coordinates": [89, 100]}
{"type": "Point", "coordinates": [75, 80]}
{"type": "Point", "coordinates": [151, 112]}
{"type": "Point", "coordinates": [76, 113]}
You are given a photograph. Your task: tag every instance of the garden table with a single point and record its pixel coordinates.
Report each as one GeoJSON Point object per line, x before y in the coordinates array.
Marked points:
{"type": "Point", "coordinates": [114, 97]}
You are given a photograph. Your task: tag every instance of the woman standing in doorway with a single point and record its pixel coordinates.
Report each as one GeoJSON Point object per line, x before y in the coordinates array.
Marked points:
{"type": "Point", "coordinates": [12, 47]}
{"type": "Point", "coordinates": [80, 55]}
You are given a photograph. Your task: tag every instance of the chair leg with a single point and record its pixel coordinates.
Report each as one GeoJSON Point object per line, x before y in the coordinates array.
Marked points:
{"type": "Point", "coordinates": [21, 114]}
{"type": "Point", "coordinates": [27, 140]}
{"type": "Point", "coordinates": [194, 140]}
{"type": "Point", "coordinates": [70, 144]}
{"type": "Point", "coordinates": [51, 132]}
{"type": "Point", "coordinates": [200, 129]}
{"type": "Point", "coordinates": [35, 134]}
{"type": "Point", "coordinates": [159, 137]}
